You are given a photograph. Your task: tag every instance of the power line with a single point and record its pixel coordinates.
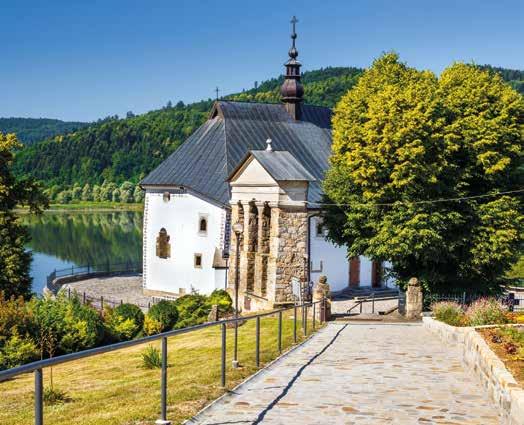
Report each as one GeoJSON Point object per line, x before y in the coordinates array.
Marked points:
{"type": "Point", "coordinates": [429, 201]}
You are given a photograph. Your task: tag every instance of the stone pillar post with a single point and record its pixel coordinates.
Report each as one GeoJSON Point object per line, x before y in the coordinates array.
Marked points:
{"type": "Point", "coordinates": [414, 301]}
{"type": "Point", "coordinates": [322, 291]}
{"type": "Point", "coordinates": [259, 266]}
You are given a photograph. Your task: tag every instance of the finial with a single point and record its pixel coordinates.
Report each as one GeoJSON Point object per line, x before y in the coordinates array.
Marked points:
{"type": "Point", "coordinates": [293, 52]}
{"type": "Point", "coordinates": [216, 91]}
{"type": "Point", "coordinates": [269, 147]}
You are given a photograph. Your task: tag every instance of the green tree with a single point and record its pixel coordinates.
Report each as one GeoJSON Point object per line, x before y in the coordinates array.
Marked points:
{"type": "Point", "coordinates": [64, 197]}
{"type": "Point", "coordinates": [87, 195]}
{"type": "Point", "coordinates": [14, 259]}
{"type": "Point", "coordinates": [138, 194]}
{"type": "Point", "coordinates": [126, 192]}
{"type": "Point", "coordinates": [76, 193]}
{"type": "Point", "coordinates": [404, 138]}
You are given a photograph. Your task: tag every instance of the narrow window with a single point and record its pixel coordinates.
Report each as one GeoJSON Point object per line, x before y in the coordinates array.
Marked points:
{"type": "Point", "coordinates": [320, 229]}
{"type": "Point", "coordinates": [166, 197]}
{"type": "Point", "coordinates": [198, 261]}
{"type": "Point", "coordinates": [203, 225]}
{"type": "Point", "coordinates": [163, 247]}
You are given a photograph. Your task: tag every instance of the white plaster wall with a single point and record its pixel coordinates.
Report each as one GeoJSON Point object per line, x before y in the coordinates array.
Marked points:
{"type": "Point", "coordinates": [334, 261]}
{"type": "Point", "coordinates": [180, 217]}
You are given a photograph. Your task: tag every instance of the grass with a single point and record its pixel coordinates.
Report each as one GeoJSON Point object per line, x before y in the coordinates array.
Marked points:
{"type": "Point", "coordinates": [115, 388]}
{"type": "Point", "coordinates": [508, 345]}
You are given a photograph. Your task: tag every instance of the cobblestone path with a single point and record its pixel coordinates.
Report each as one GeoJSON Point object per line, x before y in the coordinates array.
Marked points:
{"type": "Point", "coordinates": [360, 374]}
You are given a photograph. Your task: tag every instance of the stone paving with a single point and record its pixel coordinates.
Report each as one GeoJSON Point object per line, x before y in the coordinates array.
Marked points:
{"type": "Point", "coordinates": [127, 288]}
{"type": "Point", "coordinates": [360, 374]}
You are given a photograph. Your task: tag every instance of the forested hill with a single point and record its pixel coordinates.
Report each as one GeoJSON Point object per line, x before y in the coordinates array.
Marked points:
{"type": "Point", "coordinates": [119, 150]}
{"type": "Point", "coordinates": [122, 151]}
{"type": "Point", "coordinates": [31, 130]}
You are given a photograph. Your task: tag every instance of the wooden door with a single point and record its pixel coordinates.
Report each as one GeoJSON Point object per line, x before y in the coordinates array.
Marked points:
{"type": "Point", "coordinates": [376, 274]}
{"type": "Point", "coordinates": [354, 272]}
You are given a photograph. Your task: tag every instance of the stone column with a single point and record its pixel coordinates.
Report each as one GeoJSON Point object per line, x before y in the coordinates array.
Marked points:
{"type": "Point", "coordinates": [414, 301]}
{"type": "Point", "coordinates": [322, 291]}
{"type": "Point", "coordinates": [237, 214]}
{"type": "Point", "coordinates": [259, 260]}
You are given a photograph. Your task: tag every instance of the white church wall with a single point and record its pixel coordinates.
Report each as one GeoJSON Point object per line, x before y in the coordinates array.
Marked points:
{"type": "Point", "coordinates": [180, 217]}
{"type": "Point", "coordinates": [334, 262]}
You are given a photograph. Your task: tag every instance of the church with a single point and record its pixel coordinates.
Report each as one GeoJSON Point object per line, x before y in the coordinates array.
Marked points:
{"type": "Point", "coordinates": [241, 199]}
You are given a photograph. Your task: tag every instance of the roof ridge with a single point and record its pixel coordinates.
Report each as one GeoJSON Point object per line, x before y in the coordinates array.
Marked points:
{"type": "Point", "coordinates": [253, 102]}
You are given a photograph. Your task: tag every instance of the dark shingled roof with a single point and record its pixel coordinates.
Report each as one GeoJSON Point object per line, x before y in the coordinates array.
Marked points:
{"type": "Point", "coordinates": [207, 158]}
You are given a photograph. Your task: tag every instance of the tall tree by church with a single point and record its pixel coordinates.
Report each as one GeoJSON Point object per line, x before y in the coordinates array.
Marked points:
{"type": "Point", "coordinates": [14, 259]}
{"type": "Point", "coordinates": [403, 139]}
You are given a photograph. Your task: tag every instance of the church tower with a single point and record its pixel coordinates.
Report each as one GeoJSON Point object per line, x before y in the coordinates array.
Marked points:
{"type": "Point", "coordinates": [292, 91]}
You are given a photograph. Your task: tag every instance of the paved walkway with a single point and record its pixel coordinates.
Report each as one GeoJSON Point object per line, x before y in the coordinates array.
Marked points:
{"type": "Point", "coordinates": [361, 374]}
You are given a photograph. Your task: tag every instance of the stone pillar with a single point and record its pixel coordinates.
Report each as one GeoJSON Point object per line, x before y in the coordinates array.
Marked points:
{"type": "Point", "coordinates": [414, 301]}
{"type": "Point", "coordinates": [289, 239]}
{"type": "Point", "coordinates": [260, 245]}
{"type": "Point", "coordinates": [237, 214]}
{"type": "Point", "coordinates": [322, 291]}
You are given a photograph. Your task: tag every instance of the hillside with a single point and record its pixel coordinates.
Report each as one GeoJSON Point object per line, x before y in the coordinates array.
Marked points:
{"type": "Point", "coordinates": [32, 130]}
{"type": "Point", "coordinates": [122, 151]}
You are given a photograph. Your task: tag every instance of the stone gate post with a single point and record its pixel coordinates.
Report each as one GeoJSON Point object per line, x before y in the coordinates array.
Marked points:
{"type": "Point", "coordinates": [414, 300]}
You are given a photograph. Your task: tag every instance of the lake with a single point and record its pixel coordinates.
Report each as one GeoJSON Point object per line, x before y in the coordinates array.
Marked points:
{"type": "Point", "coordinates": [64, 239]}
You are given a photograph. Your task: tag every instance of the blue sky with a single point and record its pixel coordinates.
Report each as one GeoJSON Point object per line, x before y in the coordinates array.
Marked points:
{"type": "Point", "coordinates": [83, 60]}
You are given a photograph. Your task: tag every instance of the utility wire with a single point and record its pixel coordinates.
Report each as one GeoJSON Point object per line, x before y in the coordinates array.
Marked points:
{"type": "Point", "coordinates": [430, 201]}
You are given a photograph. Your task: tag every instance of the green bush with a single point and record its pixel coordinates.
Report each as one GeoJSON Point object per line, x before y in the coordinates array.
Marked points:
{"type": "Point", "coordinates": [221, 298]}
{"type": "Point", "coordinates": [55, 396]}
{"type": "Point", "coordinates": [124, 321]}
{"type": "Point", "coordinates": [17, 351]}
{"type": "Point", "coordinates": [449, 312]}
{"type": "Point", "coordinates": [165, 313]}
{"type": "Point", "coordinates": [486, 311]}
{"type": "Point", "coordinates": [193, 309]}
{"type": "Point", "coordinates": [151, 358]}
{"type": "Point", "coordinates": [65, 326]}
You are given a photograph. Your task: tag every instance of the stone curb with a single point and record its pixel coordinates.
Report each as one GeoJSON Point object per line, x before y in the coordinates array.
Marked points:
{"type": "Point", "coordinates": [194, 419]}
{"type": "Point", "coordinates": [485, 364]}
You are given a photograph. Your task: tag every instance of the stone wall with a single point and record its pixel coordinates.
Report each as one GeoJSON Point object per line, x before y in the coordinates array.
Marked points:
{"type": "Point", "coordinates": [481, 360]}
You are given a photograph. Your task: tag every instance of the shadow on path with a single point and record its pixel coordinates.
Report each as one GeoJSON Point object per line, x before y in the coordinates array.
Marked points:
{"type": "Point", "coordinates": [286, 389]}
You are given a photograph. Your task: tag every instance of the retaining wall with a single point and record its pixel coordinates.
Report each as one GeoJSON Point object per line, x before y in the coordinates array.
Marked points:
{"type": "Point", "coordinates": [483, 362]}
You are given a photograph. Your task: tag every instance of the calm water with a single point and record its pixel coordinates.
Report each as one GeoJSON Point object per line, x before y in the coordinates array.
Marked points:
{"type": "Point", "coordinates": [65, 239]}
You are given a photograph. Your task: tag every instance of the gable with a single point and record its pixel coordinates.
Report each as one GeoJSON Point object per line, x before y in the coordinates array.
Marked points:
{"type": "Point", "coordinates": [253, 173]}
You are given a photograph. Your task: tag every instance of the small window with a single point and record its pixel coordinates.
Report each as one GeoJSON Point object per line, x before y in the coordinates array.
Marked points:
{"type": "Point", "coordinates": [320, 229]}
{"type": "Point", "coordinates": [202, 227]}
{"type": "Point", "coordinates": [166, 196]}
{"type": "Point", "coordinates": [163, 247]}
{"type": "Point", "coordinates": [198, 261]}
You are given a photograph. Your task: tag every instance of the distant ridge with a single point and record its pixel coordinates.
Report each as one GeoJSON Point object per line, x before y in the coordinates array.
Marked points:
{"type": "Point", "coordinates": [32, 130]}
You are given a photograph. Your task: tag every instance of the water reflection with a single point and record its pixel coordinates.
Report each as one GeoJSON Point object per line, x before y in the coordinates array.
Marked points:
{"type": "Point", "coordinates": [64, 239]}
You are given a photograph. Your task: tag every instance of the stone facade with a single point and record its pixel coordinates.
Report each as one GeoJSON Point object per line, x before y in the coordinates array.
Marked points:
{"type": "Point", "coordinates": [414, 300]}
{"type": "Point", "coordinates": [273, 251]}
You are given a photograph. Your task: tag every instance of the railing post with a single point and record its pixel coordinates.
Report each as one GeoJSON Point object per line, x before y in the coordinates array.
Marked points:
{"type": "Point", "coordinates": [305, 319]}
{"type": "Point", "coordinates": [314, 315]}
{"type": "Point", "coordinates": [280, 332]}
{"type": "Point", "coordinates": [295, 323]}
{"type": "Point", "coordinates": [84, 298]}
{"type": "Point", "coordinates": [39, 398]}
{"type": "Point", "coordinates": [101, 303]}
{"type": "Point", "coordinates": [372, 303]}
{"type": "Point", "coordinates": [163, 386]}
{"type": "Point", "coordinates": [223, 359]}
{"type": "Point", "coordinates": [360, 306]}
{"type": "Point", "coordinates": [464, 299]}
{"type": "Point", "coordinates": [72, 270]}
{"type": "Point", "coordinates": [68, 293]}
{"type": "Point", "coordinates": [257, 342]}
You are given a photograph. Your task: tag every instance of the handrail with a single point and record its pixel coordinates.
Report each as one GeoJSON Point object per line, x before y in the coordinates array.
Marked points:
{"type": "Point", "coordinates": [31, 367]}
{"type": "Point", "coordinates": [38, 366]}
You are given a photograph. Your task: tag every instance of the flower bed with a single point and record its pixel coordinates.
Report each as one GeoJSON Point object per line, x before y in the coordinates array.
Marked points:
{"type": "Point", "coordinates": [508, 344]}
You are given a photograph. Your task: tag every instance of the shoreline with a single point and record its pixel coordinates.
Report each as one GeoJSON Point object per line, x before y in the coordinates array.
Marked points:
{"type": "Point", "coordinates": [86, 207]}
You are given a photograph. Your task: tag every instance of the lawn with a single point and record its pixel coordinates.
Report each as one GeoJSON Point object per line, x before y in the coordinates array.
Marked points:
{"type": "Point", "coordinates": [114, 388]}
{"type": "Point", "coordinates": [91, 206]}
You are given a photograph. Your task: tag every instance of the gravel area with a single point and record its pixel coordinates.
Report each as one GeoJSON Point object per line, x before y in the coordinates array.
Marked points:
{"type": "Point", "coordinates": [114, 289]}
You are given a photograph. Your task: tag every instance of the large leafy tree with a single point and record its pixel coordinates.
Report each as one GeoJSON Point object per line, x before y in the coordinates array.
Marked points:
{"type": "Point", "coordinates": [403, 142]}
{"type": "Point", "coordinates": [14, 259]}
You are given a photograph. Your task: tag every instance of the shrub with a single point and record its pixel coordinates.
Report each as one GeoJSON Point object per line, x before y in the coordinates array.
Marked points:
{"type": "Point", "coordinates": [15, 316]}
{"type": "Point", "coordinates": [449, 312]}
{"type": "Point", "coordinates": [486, 311]}
{"type": "Point", "coordinates": [65, 326]}
{"type": "Point", "coordinates": [165, 313]}
{"type": "Point", "coordinates": [152, 326]}
{"type": "Point", "coordinates": [17, 351]}
{"type": "Point", "coordinates": [54, 396]}
{"type": "Point", "coordinates": [151, 358]}
{"type": "Point", "coordinates": [221, 298]}
{"type": "Point", "coordinates": [193, 309]}
{"type": "Point", "coordinates": [124, 321]}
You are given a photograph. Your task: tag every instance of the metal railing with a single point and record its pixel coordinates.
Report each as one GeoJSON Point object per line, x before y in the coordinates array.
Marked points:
{"type": "Point", "coordinates": [512, 301]}
{"type": "Point", "coordinates": [37, 367]}
{"type": "Point", "coordinates": [108, 267]}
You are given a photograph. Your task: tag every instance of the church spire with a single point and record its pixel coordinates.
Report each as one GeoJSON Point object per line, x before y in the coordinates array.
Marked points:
{"type": "Point", "coordinates": [292, 90]}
